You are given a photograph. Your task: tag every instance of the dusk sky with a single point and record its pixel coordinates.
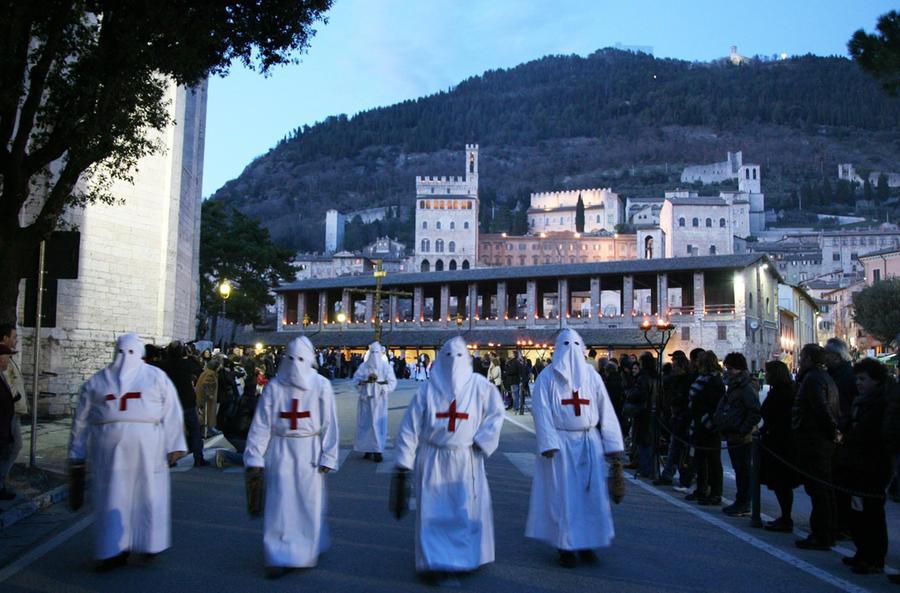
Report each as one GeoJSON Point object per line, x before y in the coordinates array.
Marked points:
{"type": "Point", "coordinates": [378, 52]}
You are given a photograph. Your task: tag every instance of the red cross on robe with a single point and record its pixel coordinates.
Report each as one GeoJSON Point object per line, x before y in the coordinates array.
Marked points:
{"type": "Point", "coordinates": [293, 414]}
{"type": "Point", "coordinates": [576, 403]}
{"type": "Point", "coordinates": [123, 403]}
{"type": "Point", "coordinates": [452, 414]}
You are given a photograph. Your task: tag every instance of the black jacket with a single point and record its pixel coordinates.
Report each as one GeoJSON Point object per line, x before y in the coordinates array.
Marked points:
{"type": "Point", "coordinates": [863, 450]}
{"type": "Point", "coordinates": [512, 372]}
{"type": "Point", "coordinates": [180, 372]}
{"type": "Point", "coordinates": [816, 407]}
{"type": "Point", "coordinates": [706, 391]}
{"type": "Point", "coordinates": [776, 437]}
{"type": "Point", "coordinates": [846, 385]}
{"type": "Point", "coordinates": [740, 408]}
{"type": "Point", "coordinates": [7, 411]}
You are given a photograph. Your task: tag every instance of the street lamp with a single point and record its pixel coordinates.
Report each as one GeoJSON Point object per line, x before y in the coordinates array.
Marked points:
{"type": "Point", "coordinates": [224, 290]}
{"type": "Point", "coordinates": [664, 331]}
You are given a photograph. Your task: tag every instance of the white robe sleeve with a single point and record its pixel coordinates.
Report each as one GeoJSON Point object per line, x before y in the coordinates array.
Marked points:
{"type": "Point", "coordinates": [361, 374]}
{"type": "Point", "coordinates": [487, 437]}
{"type": "Point", "coordinates": [408, 436]}
{"type": "Point", "coordinates": [260, 430]}
{"type": "Point", "coordinates": [173, 418]}
{"type": "Point", "coordinates": [78, 436]}
{"type": "Point", "coordinates": [391, 380]}
{"type": "Point", "coordinates": [610, 431]}
{"type": "Point", "coordinates": [330, 437]}
{"type": "Point", "coordinates": [545, 431]}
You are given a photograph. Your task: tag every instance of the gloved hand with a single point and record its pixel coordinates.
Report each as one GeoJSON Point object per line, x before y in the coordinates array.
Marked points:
{"type": "Point", "coordinates": [616, 478]}
{"type": "Point", "coordinates": [254, 479]}
{"type": "Point", "coordinates": [400, 493]}
{"type": "Point", "coordinates": [76, 484]}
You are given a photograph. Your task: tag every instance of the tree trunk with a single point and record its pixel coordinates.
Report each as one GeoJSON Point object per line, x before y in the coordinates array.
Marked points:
{"type": "Point", "coordinates": [12, 257]}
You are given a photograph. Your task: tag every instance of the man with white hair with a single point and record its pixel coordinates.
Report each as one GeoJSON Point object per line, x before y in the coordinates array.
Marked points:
{"type": "Point", "coordinates": [294, 436]}
{"type": "Point", "coordinates": [375, 380]}
{"type": "Point", "coordinates": [129, 421]}
{"type": "Point", "coordinates": [840, 369]}
{"type": "Point", "coordinates": [451, 426]}
{"type": "Point", "coordinates": [576, 427]}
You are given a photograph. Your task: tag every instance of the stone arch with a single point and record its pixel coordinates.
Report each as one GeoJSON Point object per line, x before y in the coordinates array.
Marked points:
{"type": "Point", "coordinates": [648, 248]}
{"type": "Point", "coordinates": [426, 267]}
{"type": "Point", "coordinates": [465, 264]}
{"type": "Point", "coordinates": [439, 265]}
{"type": "Point", "coordinates": [452, 265]}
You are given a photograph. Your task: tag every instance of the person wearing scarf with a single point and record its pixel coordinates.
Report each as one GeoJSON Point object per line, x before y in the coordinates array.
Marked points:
{"type": "Point", "coordinates": [129, 424]}
{"type": "Point", "coordinates": [451, 426]}
{"type": "Point", "coordinates": [580, 446]}
{"type": "Point", "coordinates": [293, 442]}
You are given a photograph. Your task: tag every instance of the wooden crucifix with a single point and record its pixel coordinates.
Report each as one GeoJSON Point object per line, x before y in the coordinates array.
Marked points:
{"type": "Point", "coordinates": [378, 293]}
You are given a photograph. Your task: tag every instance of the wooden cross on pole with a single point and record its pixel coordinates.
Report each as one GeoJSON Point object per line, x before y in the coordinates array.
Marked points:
{"type": "Point", "coordinates": [378, 293]}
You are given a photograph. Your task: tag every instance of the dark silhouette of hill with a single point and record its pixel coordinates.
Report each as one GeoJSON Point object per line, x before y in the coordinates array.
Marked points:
{"type": "Point", "coordinates": [612, 119]}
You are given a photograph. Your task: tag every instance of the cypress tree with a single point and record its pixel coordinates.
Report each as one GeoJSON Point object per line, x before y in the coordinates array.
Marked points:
{"type": "Point", "coordinates": [579, 215]}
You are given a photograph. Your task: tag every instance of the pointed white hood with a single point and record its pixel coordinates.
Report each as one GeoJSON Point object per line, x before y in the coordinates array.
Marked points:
{"type": "Point", "coordinates": [452, 368]}
{"type": "Point", "coordinates": [568, 360]}
{"type": "Point", "coordinates": [375, 357]}
{"type": "Point", "coordinates": [128, 360]}
{"type": "Point", "coordinates": [296, 366]}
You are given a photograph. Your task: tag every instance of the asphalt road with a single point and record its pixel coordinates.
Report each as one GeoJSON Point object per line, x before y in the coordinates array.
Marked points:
{"type": "Point", "coordinates": [662, 543]}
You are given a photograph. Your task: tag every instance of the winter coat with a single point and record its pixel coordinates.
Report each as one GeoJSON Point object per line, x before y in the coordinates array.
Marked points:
{"type": "Point", "coordinates": [738, 413]}
{"type": "Point", "coordinates": [816, 408]}
{"type": "Point", "coordinates": [862, 456]}
{"type": "Point", "coordinates": [843, 377]}
{"type": "Point", "coordinates": [776, 437]}
{"type": "Point", "coordinates": [705, 394]}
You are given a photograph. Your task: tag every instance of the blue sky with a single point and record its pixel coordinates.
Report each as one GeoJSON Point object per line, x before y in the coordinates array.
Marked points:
{"type": "Point", "coordinates": [378, 52]}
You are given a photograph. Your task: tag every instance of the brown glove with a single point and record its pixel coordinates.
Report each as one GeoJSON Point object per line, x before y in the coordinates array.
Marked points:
{"type": "Point", "coordinates": [76, 484]}
{"type": "Point", "coordinates": [616, 478]}
{"type": "Point", "coordinates": [255, 490]}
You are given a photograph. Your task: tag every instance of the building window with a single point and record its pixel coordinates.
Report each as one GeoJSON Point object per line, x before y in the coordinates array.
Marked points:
{"type": "Point", "coordinates": [712, 249]}
{"type": "Point", "coordinates": [835, 257]}
{"type": "Point", "coordinates": [709, 223]}
{"type": "Point", "coordinates": [876, 275]}
{"type": "Point", "coordinates": [424, 224]}
{"type": "Point", "coordinates": [465, 225]}
{"type": "Point", "coordinates": [425, 266]}
{"type": "Point", "coordinates": [439, 246]}
{"type": "Point", "coordinates": [452, 264]}
{"type": "Point", "coordinates": [421, 204]}
{"type": "Point", "coordinates": [439, 265]}
{"type": "Point", "coordinates": [721, 332]}
{"type": "Point", "coordinates": [690, 249]}
{"type": "Point", "coordinates": [426, 245]}
{"type": "Point", "coordinates": [681, 222]}
{"type": "Point", "coordinates": [451, 246]}
{"type": "Point", "coordinates": [648, 248]}
{"type": "Point", "coordinates": [695, 222]}
{"type": "Point", "coordinates": [598, 218]}
{"type": "Point", "coordinates": [685, 333]}
{"type": "Point", "coordinates": [452, 225]}
{"type": "Point", "coordinates": [749, 300]}
{"type": "Point", "coordinates": [465, 264]}
{"type": "Point", "coordinates": [437, 225]}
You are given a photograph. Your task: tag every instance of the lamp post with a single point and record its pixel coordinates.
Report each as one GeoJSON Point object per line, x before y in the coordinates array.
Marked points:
{"type": "Point", "coordinates": [224, 290]}
{"type": "Point", "coordinates": [664, 330]}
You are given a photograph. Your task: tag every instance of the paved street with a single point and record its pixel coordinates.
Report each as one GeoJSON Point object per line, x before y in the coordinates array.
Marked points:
{"type": "Point", "coordinates": [662, 543]}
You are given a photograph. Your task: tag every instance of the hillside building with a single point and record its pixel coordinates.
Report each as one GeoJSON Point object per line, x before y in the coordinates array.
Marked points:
{"type": "Point", "coordinates": [847, 172]}
{"type": "Point", "coordinates": [552, 212]}
{"type": "Point", "coordinates": [447, 219]}
{"type": "Point", "coordinates": [335, 223]}
{"type": "Point", "coordinates": [726, 170]}
{"type": "Point", "coordinates": [554, 247]}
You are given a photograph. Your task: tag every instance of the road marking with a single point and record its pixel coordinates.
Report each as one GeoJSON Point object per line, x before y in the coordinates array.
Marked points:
{"type": "Point", "coordinates": [524, 462]}
{"type": "Point", "coordinates": [518, 423]}
{"type": "Point", "coordinates": [782, 555]}
{"type": "Point", "coordinates": [38, 552]}
{"type": "Point", "coordinates": [756, 542]}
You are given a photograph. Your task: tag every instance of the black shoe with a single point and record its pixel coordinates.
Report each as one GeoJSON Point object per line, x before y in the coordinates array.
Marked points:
{"type": "Point", "coordinates": [694, 496]}
{"type": "Point", "coordinates": [631, 465]}
{"type": "Point", "coordinates": [813, 543]}
{"type": "Point", "coordinates": [587, 556]}
{"type": "Point", "coordinates": [851, 560]}
{"type": "Point", "coordinates": [780, 525]}
{"type": "Point", "coordinates": [567, 559]}
{"type": "Point", "coordinates": [200, 462]}
{"type": "Point", "coordinates": [108, 564]}
{"type": "Point", "coordinates": [367, 456]}
{"type": "Point", "coordinates": [866, 568]}
{"type": "Point", "coordinates": [432, 577]}
{"type": "Point", "coordinates": [6, 494]}
{"type": "Point", "coordinates": [710, 501]}
{"type": "Point", "coordinates": [736, 510]}
{"type": "Point", "coordinates": [663, 481]}
{"type": "Point", "coordinates": [377, 457]}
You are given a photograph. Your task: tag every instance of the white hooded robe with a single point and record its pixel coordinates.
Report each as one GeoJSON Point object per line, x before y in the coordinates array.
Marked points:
{"type": "Point", "coordinates": [455, 410]}
{"type": "Point", "coordinates": [372, 407]}
{"type": "Point", "coordinates": [294, 432]}
{"type": "Point", "coordinates": [126, 421]}
{"type": "Point", "coordinates": [569, 505]}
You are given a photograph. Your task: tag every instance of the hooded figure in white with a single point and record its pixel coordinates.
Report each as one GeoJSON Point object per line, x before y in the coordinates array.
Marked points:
{"type": "Point", "coordinates": [128, 425]}
{"type": "Point", "coordinates": [294, 436]}
{"type": "Point", "coordinates": [375, 380]}
{"type": "Point", "coordinates": [451, 426]}
{"type": "Point", "coordinates": [576, 426]}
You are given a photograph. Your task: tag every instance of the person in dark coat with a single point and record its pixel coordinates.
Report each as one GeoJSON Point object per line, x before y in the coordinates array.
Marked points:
{"type": "Point", "coordinates": [868, 465]}
{"type": "Point", "coordinates": [614, 387]}
{"type": "Point", "coordinates": [777, 444]}
{"type": "Point", "coordinates": [641, 394]}
{"type": "Point", "coordinates": [180, 371]}
{"type": "Point", "coordinates": [837, 363]}
{"type": "Point", "coordinates": [736, 418]}
{"type": "Point", "coordinates": [706, 392]}
{"type": "Point", "coordinates": [677, 387]}
{"type": "Point", "coordinates": [814, 419]}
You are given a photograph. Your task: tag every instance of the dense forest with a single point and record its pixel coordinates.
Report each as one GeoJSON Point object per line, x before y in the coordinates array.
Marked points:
{"type": "Point", "coordinates": [612, 119]}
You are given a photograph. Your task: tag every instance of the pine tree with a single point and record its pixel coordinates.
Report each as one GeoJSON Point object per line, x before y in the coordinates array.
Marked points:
{"type": "Point", "coordinates": [579, 215]}
{"type": "Point", "coordinates": [881, 190]}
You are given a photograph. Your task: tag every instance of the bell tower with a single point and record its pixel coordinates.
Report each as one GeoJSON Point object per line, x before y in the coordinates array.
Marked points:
{"type": "Point", "coordinates": [472, 168]}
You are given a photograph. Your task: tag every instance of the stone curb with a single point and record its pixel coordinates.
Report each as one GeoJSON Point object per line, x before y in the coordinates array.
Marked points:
{"type": "Point", "coordinates": [27, 508]}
